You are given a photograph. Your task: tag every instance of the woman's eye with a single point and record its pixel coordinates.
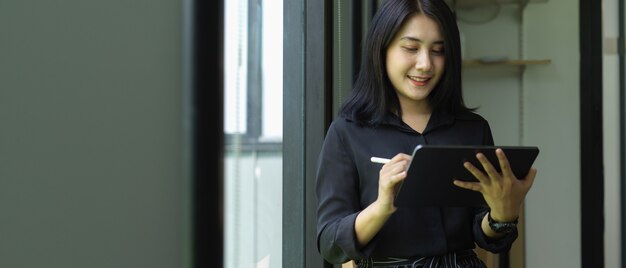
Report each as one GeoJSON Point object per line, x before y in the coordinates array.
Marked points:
{"type": "Point", "coordinates": [438, 51]}
{"type": "Point", "coordinates": [410, 49]}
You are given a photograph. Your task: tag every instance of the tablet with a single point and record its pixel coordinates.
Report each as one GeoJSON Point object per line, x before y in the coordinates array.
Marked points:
{"type": "Point", "coordinates": [432, 170]}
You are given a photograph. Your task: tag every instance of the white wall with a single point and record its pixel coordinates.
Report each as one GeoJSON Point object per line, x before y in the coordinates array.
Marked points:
{"type": "Point", "coordinates": [494, 89]}
{"type": "Point", "coordinates": [611, 124]}
{"type": "Point", "coordinates": [536, 106]}
{"type": "Point", "coordinates": [553, 123]}
{"type": "Point", "coordinates": [91, 171]}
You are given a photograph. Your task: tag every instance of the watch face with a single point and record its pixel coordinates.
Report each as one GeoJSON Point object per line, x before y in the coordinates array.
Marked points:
{"type": "Point", "coordinates": [502, 227]}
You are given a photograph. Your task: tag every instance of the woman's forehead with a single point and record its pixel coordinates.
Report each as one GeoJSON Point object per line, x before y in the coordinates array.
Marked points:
{"type": "Point", "coordinates": [420, 28]}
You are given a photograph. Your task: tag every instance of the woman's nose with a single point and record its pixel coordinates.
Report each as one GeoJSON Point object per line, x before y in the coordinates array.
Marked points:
{"type": "Point", "coordinates": [423, 62]}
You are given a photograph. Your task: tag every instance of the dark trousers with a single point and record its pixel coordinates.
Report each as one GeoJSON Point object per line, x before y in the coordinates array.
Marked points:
{"type": "Point", "coordinates": [460, 259]}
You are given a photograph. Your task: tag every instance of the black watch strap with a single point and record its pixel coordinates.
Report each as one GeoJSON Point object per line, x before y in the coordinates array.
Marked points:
{"type": "Point", "coordinates": [501, 227]}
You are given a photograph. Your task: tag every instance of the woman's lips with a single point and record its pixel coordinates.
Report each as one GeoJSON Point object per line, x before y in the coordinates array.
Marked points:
{"type": "Point", "coordinates": [419, 80]}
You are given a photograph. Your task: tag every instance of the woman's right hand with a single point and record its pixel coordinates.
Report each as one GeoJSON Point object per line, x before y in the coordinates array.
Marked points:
{"type": "Point", "coordinates": [390, 177]}
{"type": "Point", "coordinates": [374, 216]}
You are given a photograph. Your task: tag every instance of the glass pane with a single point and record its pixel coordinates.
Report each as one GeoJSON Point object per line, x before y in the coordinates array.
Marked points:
{"type": "Point", "coordinates": [272, 70]}
{"type": "Point", "coordinates": [253, 158]}
{"type": "Point", "coordinates": [235, 66]}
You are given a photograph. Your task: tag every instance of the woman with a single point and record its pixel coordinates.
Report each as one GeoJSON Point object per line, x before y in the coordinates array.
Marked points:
{"type": "Point", "coordinates": [408, 92]}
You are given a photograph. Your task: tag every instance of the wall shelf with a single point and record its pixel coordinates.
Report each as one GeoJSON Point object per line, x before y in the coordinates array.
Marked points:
{"type": "Point", "coordinates": [503, 68]}
{"type": "Point", "coordinates": [478, 3]}
{"type": "Point", "coordinates": [478, 62]}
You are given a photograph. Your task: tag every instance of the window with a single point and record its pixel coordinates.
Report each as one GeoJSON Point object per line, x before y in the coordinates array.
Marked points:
{"type": "Point", "coordinates": [253, 90]}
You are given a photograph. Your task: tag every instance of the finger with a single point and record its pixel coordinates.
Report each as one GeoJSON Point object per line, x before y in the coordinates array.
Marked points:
{"type": "Point", "coordinates": [394, 161]}
{"type": "Point", "coordinates": [401, 157]}
{"type": "Point", "coordinates": [474, 186]}
{"type": "Point", "coordinates": [399, 162]}
{"type": "Point", "coordinates": [491, 171]}
{"type": "Point", "coordinates": [398, 178]}
{"type": "Point", "coordinates": [405, 156]}
{"type": "Point", "coordinates": [394, 164]}
{"type": "Point", "coordinates": [479, 175]}
{"type": "Point", "coordinates": [505, 166]}
{"type": "Point", "coordinates": [399, 166]}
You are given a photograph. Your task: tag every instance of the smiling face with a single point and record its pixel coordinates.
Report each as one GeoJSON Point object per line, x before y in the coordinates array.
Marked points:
{"type": "Point", "coordinates": [415, 60]}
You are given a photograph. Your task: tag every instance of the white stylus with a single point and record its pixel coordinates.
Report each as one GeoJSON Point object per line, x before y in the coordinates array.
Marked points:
{"type": "Point", "coordinates": [379, 160]}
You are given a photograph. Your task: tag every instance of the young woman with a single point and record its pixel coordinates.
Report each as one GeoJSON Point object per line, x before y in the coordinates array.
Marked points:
{"type": "Point", "coordinates": [408, 92]}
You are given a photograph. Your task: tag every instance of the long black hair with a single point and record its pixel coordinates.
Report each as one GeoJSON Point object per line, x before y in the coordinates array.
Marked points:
{"type": "Point", "coordinates": [373, 94]}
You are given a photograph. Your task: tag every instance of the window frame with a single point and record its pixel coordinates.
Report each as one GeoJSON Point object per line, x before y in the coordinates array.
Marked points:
{"type": "Point", "coordinates": [250, 140]}
{"type": "Point", "coordinates": [307, 112]}
{"type": "Point", "coordinates": [203, 53]}
{"type": "Point", "coordinates": [622, 126]}
{"type": "Point", "coordinates": [591, 142]}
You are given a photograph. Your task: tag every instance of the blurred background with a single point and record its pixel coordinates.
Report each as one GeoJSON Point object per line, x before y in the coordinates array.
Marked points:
{"type": "Point", "coordinates": [102, 122]}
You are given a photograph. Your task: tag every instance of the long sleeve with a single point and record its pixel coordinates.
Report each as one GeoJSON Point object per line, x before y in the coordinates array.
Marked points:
{"type": "Point", "coordinates": [499, 245]}
{"type": "Point", "coordinates": [337, 190]}
{"type": "Point", "coordinates": [347, 182]}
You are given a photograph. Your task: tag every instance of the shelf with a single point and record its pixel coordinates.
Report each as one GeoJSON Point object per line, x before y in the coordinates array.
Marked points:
{"type": "Point", "coordinates": [478, 3]}
{"type": "Point", "coordinates": [505, 62]}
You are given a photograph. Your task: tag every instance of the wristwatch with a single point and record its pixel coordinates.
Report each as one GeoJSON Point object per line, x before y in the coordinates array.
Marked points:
{"type": "Point", "coordinates": [501, 227]}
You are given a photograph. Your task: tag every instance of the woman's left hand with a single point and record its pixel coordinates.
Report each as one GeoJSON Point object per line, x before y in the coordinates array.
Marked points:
{"type": "Point", "coordinates": [503, 192]}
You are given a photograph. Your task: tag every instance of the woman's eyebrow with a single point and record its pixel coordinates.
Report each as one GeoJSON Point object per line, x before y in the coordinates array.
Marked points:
{"type": "Point", "coordinates": [413, 39]}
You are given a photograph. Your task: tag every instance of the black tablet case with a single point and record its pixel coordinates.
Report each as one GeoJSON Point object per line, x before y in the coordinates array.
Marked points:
{"type": "Point", "coordinates": [429, 181]}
